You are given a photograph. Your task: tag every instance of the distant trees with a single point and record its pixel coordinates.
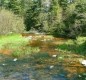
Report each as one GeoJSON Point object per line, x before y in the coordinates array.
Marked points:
{"type": "Point", "coordinates": [64, 18]}
{"type": "Point", "coordinates": [73, 19]}
{"type": "Point", "coordinates": [76, 20]}
{"type": "Point", "coordinates": [80, 23]}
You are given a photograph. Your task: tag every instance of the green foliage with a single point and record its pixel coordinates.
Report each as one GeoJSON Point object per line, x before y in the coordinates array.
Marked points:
{"type": "Point", "coordinates": [75, 47]}
{"type": "Point", "coordinates": [10, 22]}
{"type": "Point", "coordinates": [15, 39]}
{"type": "Point", "coordinates": [81, 76]}
{"type": "Point", "coordinates": [17, 53]}
{"type": "Point", "coordinates": [76, 21]}
{"type": "Point", "coordinates": [17, 44]}
{"type": "Point", "coordinates": [64, 18]}
{"type": "Point", "coordinates": [63, 3]}
{"type": "Point", "coordinates": [73, 21]}
{"type": "Point", "coordinates": [24, 51]}
{"type": "Point", "coordinates": [59, 30]}
{"type": "Point", "coordinates": [32, 16]}
{"type": "Point", "coordinates": [13, 5]}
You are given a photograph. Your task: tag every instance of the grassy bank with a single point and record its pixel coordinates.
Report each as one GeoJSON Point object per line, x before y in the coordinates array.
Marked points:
{"type": "Point", "coordinates": [74, 46]}
{"type": "Point", "coordinates": [45, 55]}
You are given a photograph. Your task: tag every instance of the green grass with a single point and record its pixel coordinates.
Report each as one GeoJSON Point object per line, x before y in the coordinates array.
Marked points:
{"type": "Point", "coordinates": [17, 44]}
{"type": "Point", "coordinates": [14, 39]}
{"type": "Point", "coordinates": [78, 46]}
{"type": "Point", "coordinates": [79, 40]}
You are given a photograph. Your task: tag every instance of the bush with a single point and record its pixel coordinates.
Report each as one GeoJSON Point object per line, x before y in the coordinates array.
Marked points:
{"type": "Point", "coordinates": [59, 30]}
{"type": "Point", "coordinates": [10, 22]}
{"type": "Point", "coordinates": [74, 48]}
{"type": "Point", "coordinates": [31, 16]}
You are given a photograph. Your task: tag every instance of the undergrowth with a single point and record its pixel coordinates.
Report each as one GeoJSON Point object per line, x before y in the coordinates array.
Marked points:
{"type": "Point", "coordinates": [77, 46]}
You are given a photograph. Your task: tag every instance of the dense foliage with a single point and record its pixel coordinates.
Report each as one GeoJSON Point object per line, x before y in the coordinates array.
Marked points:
{"type": "Point", "coordinates": [10, 23]}
{"type": "Point", "coordinates": [64, 18]}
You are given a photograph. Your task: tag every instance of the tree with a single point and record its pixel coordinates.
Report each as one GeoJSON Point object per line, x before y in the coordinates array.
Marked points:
{"type": "Point", "coordinates": [14, 6]}
{"type": "Point", "coordinates": [64, 18]}
{"type": "Point", "coordinates": [32, 15]}
{"type": "Point", "coordinates": [73, 19]}
{"type": "Point", "coordinates": [76, 21]}
{"type": "Point", "coordinates": [9, 22]}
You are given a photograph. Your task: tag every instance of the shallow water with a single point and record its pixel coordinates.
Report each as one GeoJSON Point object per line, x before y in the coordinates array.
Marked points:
{"type": "Point", "coordinates": [33, 73]}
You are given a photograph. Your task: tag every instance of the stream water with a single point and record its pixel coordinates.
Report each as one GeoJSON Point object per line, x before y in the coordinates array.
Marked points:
{"type": "Point", "coordinates": [32, 73]}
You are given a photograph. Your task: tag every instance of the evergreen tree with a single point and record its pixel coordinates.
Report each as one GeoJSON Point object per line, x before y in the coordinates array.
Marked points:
{"type": "Point", "coordinates": [32, 15]}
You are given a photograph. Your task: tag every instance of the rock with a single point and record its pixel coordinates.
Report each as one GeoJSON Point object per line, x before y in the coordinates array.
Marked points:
{"type": "Point", "coordinates": [83, 62]}
{"type": "Point", "coordinates": [54, 56]}
{"type": "Point", "coordinates": [15, 59]}
{"type": "Point", "coordinates": [51, 67]}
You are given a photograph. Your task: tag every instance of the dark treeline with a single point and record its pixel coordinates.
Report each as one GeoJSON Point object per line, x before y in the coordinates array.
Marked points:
{"type": "Point", "coordinates": [64, 18]}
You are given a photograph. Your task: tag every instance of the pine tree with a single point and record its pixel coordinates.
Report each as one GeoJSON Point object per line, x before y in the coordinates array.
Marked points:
{"type": "Point", "coordinates": [32, 15]}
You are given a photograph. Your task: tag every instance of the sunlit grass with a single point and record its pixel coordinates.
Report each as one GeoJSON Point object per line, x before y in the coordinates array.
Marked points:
{"type": "Point", "coordinates": [16, 45]}
{"type": "Point", "coordinates": [14, 38]}
{"type": "Point", "coordinates": [79, 40]}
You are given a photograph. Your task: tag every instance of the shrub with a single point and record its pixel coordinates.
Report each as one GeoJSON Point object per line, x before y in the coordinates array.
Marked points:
{"type": "Point", "coordinates": [18, 50]}
{"type": "Point", "coordinates": [75, 48]}
{"type": "Point", "coordinates": [10, 22]}
{"type": "Point", "coordinates": [59, 30]}
{"type": "Point", "coordinates": [17, 53]}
